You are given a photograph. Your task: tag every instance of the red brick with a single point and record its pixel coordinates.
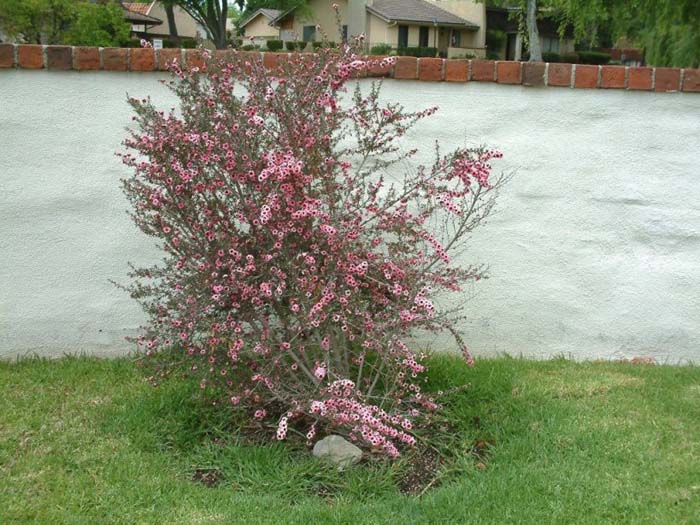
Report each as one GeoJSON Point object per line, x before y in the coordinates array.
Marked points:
{"type": "Point", "coordinates": [30, 57]}
{"type": "Point", "coordinates": [406, 68]}
{"type": "Point", "coordinates": [252, 57]}
{"type": "Point", "coordinates": [509, 72]}
{"type": "Point", "coordinates": [271, 60]}
{"type": "Point", "coordinates": [194, 58]}
{"type": "Point", "coordinates": [533, 73]}
{"type": "Point", "coordinates": [378, 70]}
{"type": "Point", "coordinates": [430, 69]}
{"type": "Point", "coordinates": [586, 77]}
{"type": "Point", "coordinates": [691, 80]}
{"type": "Point", "coordinates": [166, 57]}
{"type": "Point", "coordinates": [559, 75]}
{"type": "Point", "coordinates": [612, 77]}
{"type": "Point", "coordinates": [224, 55]}
{"type": "Point", "coordinates": [483, 70]}
{"type": "Point", "coordinates": [457, 70]}
{"type": "Point", "coordinates": [86, 58]}
{"type": "Point", "coordinates": [667, 79]}
{"type": "Point", "coordinates": [640, 78]}
{"type": "Point", "coordinates": [59, 57]}
{"type": "Point", "coordinates": [142, 59]}
{"type": "Point", "coordinates": [7, 55]}
{"type": "Point", "coordinates": [115, 58]}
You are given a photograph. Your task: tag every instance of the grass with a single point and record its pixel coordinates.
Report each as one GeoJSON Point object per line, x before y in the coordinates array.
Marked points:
{"type": "Point", "coordinates": [88, 441]}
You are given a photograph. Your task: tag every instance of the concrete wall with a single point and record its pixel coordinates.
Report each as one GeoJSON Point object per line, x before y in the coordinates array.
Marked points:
{"type": "Point", "coordinates": [594, 249]}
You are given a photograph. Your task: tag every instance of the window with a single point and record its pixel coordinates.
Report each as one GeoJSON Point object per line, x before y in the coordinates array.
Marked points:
{"type": "Point", "coordinates": [456, 38]}
{"type": "Point", "coordinates": [550, 44]}
{"type": "Point", "coordinates": [345, 33]}
{"type": "Point", "coordinates": [309, 33]}
{"type": "Point", "coordinates": [423, 37]}
{"type": "Point", "coordinates": [403, 36]}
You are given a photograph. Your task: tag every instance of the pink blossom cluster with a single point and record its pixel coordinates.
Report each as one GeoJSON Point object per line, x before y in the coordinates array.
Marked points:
{"type": "Point", "coordinates": [294, 272]}
{"type": "Point", "coordinates": [366, 422]}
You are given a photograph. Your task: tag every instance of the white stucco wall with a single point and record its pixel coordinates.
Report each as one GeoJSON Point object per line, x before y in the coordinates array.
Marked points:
{"type": "Point", "coordinates": [594, 250]}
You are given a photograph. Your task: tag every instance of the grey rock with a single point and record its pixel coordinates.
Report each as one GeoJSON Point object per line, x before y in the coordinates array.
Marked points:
{"type": "Point", "coordinates": [338, 450]}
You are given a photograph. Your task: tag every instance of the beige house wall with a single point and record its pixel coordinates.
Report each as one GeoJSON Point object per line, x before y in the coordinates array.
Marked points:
{"type": "Point", "coordinates": [186, 25]}
{"type": "Point", "coordinates": [472, 11]}
{"type": "Point", "coordinates": [321, 13]}
{"type": "Point", "coordinates": [260, 27]}
{"type": "Point", "coordinates": [381, 32]}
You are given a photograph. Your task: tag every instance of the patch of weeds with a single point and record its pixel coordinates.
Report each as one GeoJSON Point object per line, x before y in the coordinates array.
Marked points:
{"type": "Point", "coordinates": [209, 477]}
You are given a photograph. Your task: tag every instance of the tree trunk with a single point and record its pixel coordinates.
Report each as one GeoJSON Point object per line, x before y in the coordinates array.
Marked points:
{"type": "Point", "coordinates": [172, 26]}
{"type": "Point", "coordinates": [532, 32]}
{"type": "Point", "coordinates": [222, 40]}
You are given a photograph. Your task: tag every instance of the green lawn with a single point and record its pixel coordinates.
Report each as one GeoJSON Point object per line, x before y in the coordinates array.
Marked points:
{"type": "Point", "coordinates": [88, 441]}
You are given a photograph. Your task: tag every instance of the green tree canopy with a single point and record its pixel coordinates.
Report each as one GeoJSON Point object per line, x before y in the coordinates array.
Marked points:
{"type": "Point", "coordinates": [37, 21]}
{"type": "Point", "coordinates": [667, 30]}
{"type": "Point", "coordinates": [98, 25]}
{"type": "Point", "coordinates": [71, 22]}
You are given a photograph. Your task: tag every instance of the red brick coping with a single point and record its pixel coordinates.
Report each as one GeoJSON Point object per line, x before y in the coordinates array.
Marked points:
{"type": "Point", "coordinates": [537, 74]}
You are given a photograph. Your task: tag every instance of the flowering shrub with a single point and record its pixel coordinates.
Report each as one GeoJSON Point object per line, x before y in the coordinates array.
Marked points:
{"type": "Point", "coordinates": [295, 271]}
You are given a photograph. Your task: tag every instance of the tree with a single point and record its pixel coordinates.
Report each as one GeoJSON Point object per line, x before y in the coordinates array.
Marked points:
{"type": "Point", "coordinates": [37, 21]}
{"type": "Point", "coordinates": [532, 32]}
{"type": "Point", "coordinates": [212, 15]}
{"type": "Point", "coordinates": [667, 30]}
{"type": "Point", "coordinates": [169, 6]}
{"type": "Point", "coordinates": [100, 25]}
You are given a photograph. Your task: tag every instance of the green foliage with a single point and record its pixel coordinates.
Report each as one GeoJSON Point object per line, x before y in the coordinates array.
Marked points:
{"type": "Point", "coordinates": [573, 58]}
{"type": "Point", "coordinates": [100, 25]}
{"type": "Point", "coordinates": [70, 22]}
{"type": "Point", "coordinates": [38, 21]}
{"type": "Point", "coordinates": [593, 57]}
{"type": "Point", "coordinates": [324, 44]}
{"type": "Point", "coordinates": [551, 57]}
{"type": "Point", "coordinates": [667, 30]}
{"type": "Point", "coordinates": [580, 57]}
{"type": "Point", "coordinates": [495, 39]}
{"type": "Point", "coordinates": [275, 45]}
{"type": "Point", "coordinates": [380, 49]}
{"type": "Point", "coordinates": [426, 52]}
{"type": "Point", "coordinates": [295, 45]}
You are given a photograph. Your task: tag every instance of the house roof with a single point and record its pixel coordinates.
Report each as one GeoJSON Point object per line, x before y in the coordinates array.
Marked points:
{"type": "Point", "coordinates": [138, 12]}
{"type": "Point", "coordinates": [417, 11]}
{"type": "Point", "coordinates": [270, 14]}
{"type": "Point", "coordinates": [138, 7]}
